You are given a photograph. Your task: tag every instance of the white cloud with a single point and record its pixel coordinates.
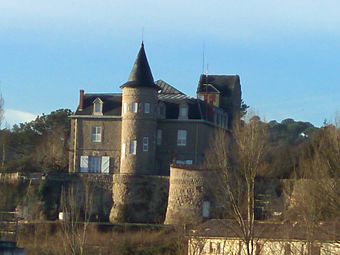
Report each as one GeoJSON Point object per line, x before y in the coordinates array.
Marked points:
{"type": "Point", "coordinates": [12, 117]}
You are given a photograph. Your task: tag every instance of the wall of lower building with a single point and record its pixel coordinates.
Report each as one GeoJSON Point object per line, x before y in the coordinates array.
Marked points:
{"type": "Point", "coordinates": [82, 144]}
{"type": "Point", "coordinates": [233, 245]}
{"type": "Point", "coordinates": [199, 134]}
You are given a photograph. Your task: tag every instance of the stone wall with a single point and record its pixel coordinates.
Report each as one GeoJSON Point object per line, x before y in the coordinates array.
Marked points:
{"type": "Point", "coordinates": [139, 198]}
{"type": "Point", "coordinates": [187, 192]}
{"type": "Point", "coordinates": [82, 145]}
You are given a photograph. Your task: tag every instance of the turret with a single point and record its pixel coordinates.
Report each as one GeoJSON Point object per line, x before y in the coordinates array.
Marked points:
{"type": "Point", "coordinates": [139, 123]}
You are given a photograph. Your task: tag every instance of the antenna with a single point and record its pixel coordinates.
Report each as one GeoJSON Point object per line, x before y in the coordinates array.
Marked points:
{"type": "Point", "coordinates": [142, 34]}
{"type": "Point", "coordinates": [203, 53]}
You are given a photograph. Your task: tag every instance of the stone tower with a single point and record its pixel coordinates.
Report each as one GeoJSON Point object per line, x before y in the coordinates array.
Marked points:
{"type": "Point", "coordinates": [137, 190]}
{"type": "Point", "coordinates": [139, 119]}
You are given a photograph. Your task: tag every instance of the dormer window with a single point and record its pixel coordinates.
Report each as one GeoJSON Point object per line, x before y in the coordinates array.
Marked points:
{"type": "Point", "coordinates": [161, 109]}
{"type": "Point", "coordinates": [97, 106]}
{"type": "Point", "coordinates": [183, 111]}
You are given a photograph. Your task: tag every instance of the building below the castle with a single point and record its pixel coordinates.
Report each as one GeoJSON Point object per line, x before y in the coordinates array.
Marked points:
{"type": "Point", "coordinates": [137, 135]}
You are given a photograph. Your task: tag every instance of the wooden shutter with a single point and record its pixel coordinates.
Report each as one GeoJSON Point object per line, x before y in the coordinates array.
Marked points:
{"type": "Point", "coordinates": [105, 165]}
{"type": "Point", "coordinates": [84, 164]}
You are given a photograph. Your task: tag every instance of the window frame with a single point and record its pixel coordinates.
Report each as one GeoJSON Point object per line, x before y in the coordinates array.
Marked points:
{"type": "Point", "coordinates": [145, 144]}
{"type": "Point", "coordinates": [134, 107]}
{"type": "Point", "coordinates": [96, 137]}
{"type": "Point", "coordinates": [183, 111]}
{"type": "Point", "coordinates": [133, 147]}
{"type": "Point", "coordinates": [147, 108]}
{"type": "Point", "coordinates": [125, 107]}
{"type": "Point", "coordinates": [159, 137]}
{"type": "Point", "coordinates": [182, 135]}
{"type": "Point", "coordinates": [97, 105]}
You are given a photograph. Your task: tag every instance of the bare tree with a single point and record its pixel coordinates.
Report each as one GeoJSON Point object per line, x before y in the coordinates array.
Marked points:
{"type": "Point", "coordinates": [315, 196]}
{"type": "Point", "coordinates": [77, 205]}
{"type": "Point", "coordinates": [237, 159]}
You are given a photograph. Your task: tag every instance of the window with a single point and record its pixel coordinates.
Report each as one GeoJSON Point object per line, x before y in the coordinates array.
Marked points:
{"type": "Point", "coordinates": [206, 209]}
{"type": "Point", "coordinates": [133, 147]}
{"type": "Point", "coordinates": [97, 106]}
{"type": "Point", "coordinates": [182, 137]}
{"type": "Point", "coordinates": [145, 143]}
{"type": "Point", "coordinates": [184, 162]}
{"type": "Point", "coordinates": [123, 150]}
{"type": "Point", "coordinates": [96, 134]}
{"type": "Point", "coordinates": [124, 108]}
{"type": "Point", "coordinates": [183, 111]}
{"type": "Point", "coordinates": [95, 164]}
{"type": "Point", "coordinates": [159, 137]}
{"type": "Point", "coordinates": [134, 107]}
{"type": "Point", "coordinates": [147, 108]}
{"type": "Point", "coordinates": [161, 109]}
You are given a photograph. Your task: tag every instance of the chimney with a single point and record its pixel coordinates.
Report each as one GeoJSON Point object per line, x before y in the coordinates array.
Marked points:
{"type": "Point", "coordinates": [81, 100]}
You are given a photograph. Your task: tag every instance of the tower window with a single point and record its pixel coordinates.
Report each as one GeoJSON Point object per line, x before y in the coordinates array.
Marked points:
{"type": "Point", "coordinates": [159, 137]}
{"type": "Point", "coordinates": [123, 150]}
{"type": "Point", "coordinates": [124, 108]}
{"type": "Point", "coordinates": [134, 107]}
{"type": "Point", "coordinates": [147, 108]}
{"type": "Point", "coordinates": [133, 147]}
{"type": "Point", "coordinates": [96, 134]}
{"type": "Point", "coordinates": [181, 137]}
{"type": "Point", "coordinates": [145, 143]}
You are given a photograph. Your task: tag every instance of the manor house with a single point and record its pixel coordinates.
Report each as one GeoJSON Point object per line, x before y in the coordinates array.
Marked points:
{"type": "Point", "coordinates": [150, 125]}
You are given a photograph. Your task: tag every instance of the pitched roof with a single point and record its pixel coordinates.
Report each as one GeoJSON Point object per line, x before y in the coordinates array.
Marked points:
{"type": "Point", "coordinates": [112, 104]}
{"type": "Point", "coordinates": [140, 75]}
{"type": "Point", "coordinates": [166, 88]}
{"type": "Point", "coordinates": [224, 84]}
{"type": "Point", "coordinates": [268, 230]}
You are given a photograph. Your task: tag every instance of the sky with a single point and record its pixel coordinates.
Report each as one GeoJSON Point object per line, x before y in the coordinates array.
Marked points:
{"type": "Point", "coordinates": [287, 53]}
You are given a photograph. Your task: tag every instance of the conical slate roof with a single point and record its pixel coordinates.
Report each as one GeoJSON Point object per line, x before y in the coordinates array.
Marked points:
{"type": "Point", "coordinates": [140, 75]}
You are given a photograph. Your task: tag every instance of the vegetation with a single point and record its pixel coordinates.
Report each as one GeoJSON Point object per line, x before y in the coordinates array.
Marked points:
{"type": "Point", "coordinates": [47, 239]}
{"type": "Point", "coordinates": [37, 146]}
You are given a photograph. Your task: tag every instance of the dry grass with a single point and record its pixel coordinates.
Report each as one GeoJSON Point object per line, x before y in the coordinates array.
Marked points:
{"type": "Point", "coordinates": [46, 239]}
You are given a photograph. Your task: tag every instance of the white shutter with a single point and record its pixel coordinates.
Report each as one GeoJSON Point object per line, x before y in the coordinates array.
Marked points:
{"type": "Point", "coordinates": [105, 165]}
{"type": "Point", "coordinates": [84, 164]}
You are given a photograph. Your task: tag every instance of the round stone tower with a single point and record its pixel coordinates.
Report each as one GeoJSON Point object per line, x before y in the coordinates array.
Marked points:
{"type": "Point", "coordinates": [138, 194]}
{"type": "Point", "coordinates": [139, 123]}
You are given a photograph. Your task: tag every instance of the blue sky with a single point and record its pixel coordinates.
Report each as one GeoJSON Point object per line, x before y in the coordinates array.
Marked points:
{"type": "Point", "coordinates": [287, 53]}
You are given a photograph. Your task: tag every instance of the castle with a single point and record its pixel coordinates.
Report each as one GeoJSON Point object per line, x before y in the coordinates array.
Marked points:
{"type": "Point", "coordinates": [150, 138]}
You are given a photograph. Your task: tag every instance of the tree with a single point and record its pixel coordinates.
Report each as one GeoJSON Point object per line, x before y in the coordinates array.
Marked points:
{"type": "Point", "coordinates": [77, 203]}
{"type": "Point", "coordinates": [39, 145]}
{"type": "Point", "coordinates": [315, 196]}
{"type": "Point", "coordinates": [237, 160]}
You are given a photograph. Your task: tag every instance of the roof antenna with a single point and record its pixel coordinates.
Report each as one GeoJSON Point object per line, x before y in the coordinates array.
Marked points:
{"type": "Point", "coordinates": [142, 36]}
{"type": "Point", "coordinates": [203, 53]}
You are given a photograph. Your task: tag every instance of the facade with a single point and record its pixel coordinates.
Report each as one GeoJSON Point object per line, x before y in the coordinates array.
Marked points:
{"type": "Point", "coordinates": [270, 238]}
{"type": "Point", "coordinates": [137, 134]}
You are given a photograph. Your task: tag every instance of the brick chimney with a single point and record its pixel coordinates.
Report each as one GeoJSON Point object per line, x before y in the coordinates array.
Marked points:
{"type": "Point", "coordinates": [81, 100]}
